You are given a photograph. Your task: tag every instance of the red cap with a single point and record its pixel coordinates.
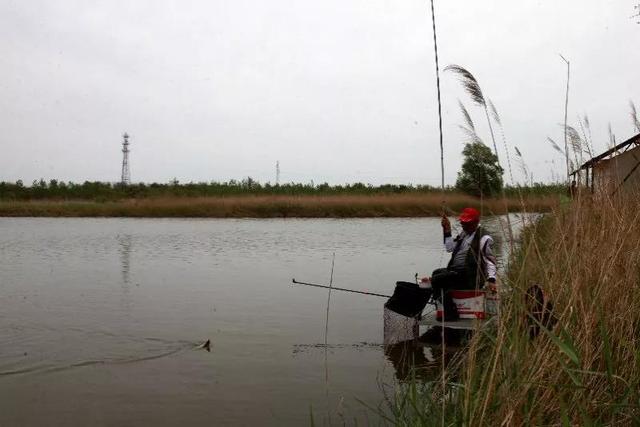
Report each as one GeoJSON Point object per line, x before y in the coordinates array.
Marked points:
{"type": "Point", "coordinates": [469, 215]}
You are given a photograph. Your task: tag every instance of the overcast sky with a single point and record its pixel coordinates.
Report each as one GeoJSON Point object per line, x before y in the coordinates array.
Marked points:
{"type": "Point", "coordinates": [335, 90]}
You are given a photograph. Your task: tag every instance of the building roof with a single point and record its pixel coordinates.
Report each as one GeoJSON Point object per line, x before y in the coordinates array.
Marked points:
{"type": "Point", "coordinates": [590, 163]}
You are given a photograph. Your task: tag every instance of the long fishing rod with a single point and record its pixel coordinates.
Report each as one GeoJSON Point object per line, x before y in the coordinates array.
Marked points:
{"type": "Point", "coordinates": [435, 48]}
{"type": "Point", "coordinates": [294, 281]}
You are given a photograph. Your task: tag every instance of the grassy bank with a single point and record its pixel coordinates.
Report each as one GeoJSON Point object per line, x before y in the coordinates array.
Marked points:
{"type": "Point", "coordinates": [585, 370]}
{"type": "Point", "coordinates": [341, 206]}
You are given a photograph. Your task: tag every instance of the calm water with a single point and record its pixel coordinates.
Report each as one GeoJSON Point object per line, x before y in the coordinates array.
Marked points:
{"type": "Point", "coordinates": [100, 319]}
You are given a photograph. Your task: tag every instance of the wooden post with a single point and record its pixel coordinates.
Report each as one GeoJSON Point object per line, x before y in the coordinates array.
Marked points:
{"type": "Point", "coordinates": [586, 183]}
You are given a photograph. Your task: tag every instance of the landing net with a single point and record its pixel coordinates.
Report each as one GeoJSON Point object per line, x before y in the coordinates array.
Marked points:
{"type": "Point", "coordinates": [398, 328]}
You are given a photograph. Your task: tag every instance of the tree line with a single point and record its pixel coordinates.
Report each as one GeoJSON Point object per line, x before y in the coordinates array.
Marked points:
{"type": "Point", "coordinates": [105, 191]}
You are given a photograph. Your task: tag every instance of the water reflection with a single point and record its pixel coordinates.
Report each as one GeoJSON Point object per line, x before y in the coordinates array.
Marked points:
{"type": "Point", "coordinates": [422, 358]}
{"type": "Point", "coordinates": [125, 247]}
{"type": "Point", "coordinates": [411, 356]}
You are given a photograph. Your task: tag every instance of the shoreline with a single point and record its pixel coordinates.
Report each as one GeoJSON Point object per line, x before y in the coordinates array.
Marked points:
{"type": "Point", "coordinates": [347, 206]}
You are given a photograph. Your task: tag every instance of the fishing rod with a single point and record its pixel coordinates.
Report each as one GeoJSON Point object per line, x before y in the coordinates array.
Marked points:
{"type": "Point", "coordinates": [435, 49]}
{"type": "Point", "coordinates": [294, 281]}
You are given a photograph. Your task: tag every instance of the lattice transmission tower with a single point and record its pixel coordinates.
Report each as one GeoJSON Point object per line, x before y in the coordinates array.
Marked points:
{"type": "Point", "coordinates": [126, 173]}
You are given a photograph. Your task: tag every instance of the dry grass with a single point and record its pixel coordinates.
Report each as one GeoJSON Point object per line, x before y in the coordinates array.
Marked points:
{"type": "Point", "coordinates": [400, 205]}
{"type": "Point", "coordinates": [583, 371]}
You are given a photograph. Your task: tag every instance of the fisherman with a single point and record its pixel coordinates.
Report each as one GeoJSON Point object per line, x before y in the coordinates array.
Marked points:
{"type": "Point", "coordinates": [472, 264]}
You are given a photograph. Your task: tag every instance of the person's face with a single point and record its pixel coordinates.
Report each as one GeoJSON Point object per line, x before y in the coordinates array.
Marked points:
{"type": "Point", "coordinates": [469, 227]}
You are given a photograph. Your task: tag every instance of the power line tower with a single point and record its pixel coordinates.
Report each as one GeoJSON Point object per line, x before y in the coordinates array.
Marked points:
{"type": "Point", "coordinates": [126, 174]}
{"type": "Point", "coordinates": [278, 172]}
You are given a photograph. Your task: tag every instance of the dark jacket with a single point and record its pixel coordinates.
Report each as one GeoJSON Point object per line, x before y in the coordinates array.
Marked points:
{"type": "Point", "coordinates": [474, 271]}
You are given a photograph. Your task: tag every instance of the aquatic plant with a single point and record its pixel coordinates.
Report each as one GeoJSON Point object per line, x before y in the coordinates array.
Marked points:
{"type": "Point", "coordinates": [584, 369]}
{"type": "Point", "coordinates": [472, 87]}
{"type": "Point", "coordinates": [280, 206]}
{"type": "Point", "coordinates": [634, 116]}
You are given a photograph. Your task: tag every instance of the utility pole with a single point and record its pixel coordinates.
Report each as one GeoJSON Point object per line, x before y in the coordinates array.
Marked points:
{"type": "Point", "coordinates": [126, 174]}
{"type": "Point", "coordinates": [278, 172]}
{"type": "Point", "coordinates": [566, 107]}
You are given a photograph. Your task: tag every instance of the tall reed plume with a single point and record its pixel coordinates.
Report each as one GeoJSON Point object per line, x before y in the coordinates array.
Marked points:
{"type": "Point", "coordinates": [472, 87]}
{"type": "Point", "coordinates": [634, 116]}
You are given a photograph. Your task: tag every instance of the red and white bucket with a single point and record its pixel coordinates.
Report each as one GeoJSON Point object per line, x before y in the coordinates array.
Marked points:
{"type": "Point", "coordinates": [470, 304]}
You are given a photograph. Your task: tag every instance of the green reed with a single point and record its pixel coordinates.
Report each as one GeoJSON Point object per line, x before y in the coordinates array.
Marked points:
{"type": "Point", "coordinates": [585, 369]}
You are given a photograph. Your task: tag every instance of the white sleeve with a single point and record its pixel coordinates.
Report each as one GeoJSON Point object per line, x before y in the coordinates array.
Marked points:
{"type": "Point", "coordinates": [449, 244]}
{"type": "Point", "coordinates": [486, 243]}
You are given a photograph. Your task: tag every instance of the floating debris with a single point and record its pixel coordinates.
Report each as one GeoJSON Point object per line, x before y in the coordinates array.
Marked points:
{"type": "Point", "coordinates": [206, 345]}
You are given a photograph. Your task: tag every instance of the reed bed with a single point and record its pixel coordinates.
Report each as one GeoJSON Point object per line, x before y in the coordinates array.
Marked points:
{"type": "Point", "coordinates": [347, 206]}
{"type": "Point", "coordinates": [584, 369]}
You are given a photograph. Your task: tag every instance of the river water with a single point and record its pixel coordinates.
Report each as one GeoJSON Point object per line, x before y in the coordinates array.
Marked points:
{"type": "Point", "coordinates": [100, 319]}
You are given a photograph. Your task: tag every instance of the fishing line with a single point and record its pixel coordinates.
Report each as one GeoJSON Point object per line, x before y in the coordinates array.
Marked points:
{"type": "Point", "coordinates": [326, 347]}
{"type": "Point", "coordinates": [326, 325]}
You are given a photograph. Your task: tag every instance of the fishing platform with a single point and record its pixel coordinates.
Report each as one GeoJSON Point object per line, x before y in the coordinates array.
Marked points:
{"type": "Point", "coordinates": [476, 308]}
{"type": "Point", "coordinates": [409, 302]}
{"type": "Point", "coordinates": [430, 320]}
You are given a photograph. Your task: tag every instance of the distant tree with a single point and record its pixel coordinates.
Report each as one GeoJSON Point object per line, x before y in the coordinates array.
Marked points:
{"type": "Point", "coordinates": [481, 173]}
{"type": "Point", "coordinates": [248, 183]}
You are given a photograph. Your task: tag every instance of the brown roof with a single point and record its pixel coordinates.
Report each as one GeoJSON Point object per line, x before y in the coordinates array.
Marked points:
{"type": "Point", "coordinates": [633, 140]}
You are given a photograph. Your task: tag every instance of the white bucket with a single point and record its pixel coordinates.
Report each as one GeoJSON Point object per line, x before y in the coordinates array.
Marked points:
{"type": "Point", "coordinates": [470, 304]}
